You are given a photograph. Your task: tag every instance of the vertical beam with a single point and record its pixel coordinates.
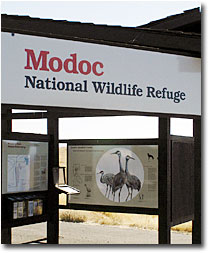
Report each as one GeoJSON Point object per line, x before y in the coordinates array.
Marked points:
{"type": "Point", "coordinates": [6, 235]}
{"type": "Point", "coordinates": [53, 197]}
{"type": "Point", "coordinates": [6, 231]}
{"type": "Point", "coordinates": [6, 122]}
{"type": "Point", "coordinates": [196, 231]}
{"type": "Point", "coordinates": [164, 181]}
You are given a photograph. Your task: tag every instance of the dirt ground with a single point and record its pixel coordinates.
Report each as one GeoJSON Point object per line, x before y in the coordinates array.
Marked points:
{"type": "Point", "coordinates": [85, 233]}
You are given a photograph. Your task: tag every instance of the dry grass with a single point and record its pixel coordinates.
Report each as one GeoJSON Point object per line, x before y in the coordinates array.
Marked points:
{"type": "Point", "coordinates": [105, 218]}
{"type": "Point", "coordinates": [130, 220]}
{"type": "Point", "coordinates": [69, 216]}
{"type": "Point", "coordinates": [184, 227]}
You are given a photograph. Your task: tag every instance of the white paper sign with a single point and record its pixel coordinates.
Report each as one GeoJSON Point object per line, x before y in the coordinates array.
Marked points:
{"type": "Point", "coordinates": [54, 72]}
{"type": "Point", "coordinates": [24, 166]}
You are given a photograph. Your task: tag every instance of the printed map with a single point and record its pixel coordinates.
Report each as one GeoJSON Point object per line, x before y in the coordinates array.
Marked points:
{"type": "Point", "coordinates": [18, 177]}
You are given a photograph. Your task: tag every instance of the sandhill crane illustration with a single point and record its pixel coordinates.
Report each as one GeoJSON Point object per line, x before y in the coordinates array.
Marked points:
{"type": "Point", "coordinates": [120, 178]}
{"type": "Point", "coordinates": [88, 190]}
{"type": "Point", "coordinates": [107, 179]}
{"type": "Point", "coordinates": [133, 182]}
{"type": "Point", "coordinates": [77, 178]}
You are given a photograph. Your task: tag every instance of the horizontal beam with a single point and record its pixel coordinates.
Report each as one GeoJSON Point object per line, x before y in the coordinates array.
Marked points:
{"type": "Point", "coordinates": [76, 142]}
{"type": "Point", "coordinates": [24, 136]}
{"type": "Point", "coordinates": [33, 115]}
{"type": "Point", "coordinates": [65, 112]}
{"type": "Point", "coordinates": [118, 209]}
{"type": "Point", "coordinates": [174, 42]}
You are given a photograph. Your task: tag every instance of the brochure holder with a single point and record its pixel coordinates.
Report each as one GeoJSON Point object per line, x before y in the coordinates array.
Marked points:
{"type": "Point", "coordinates": [26, 206]}
{"type": "Point", "coordinates": [60, 182]}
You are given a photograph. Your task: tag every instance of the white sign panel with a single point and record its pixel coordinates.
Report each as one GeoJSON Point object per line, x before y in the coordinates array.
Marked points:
{"type": "Point", "coordinates": [54, 72]}
{"type": "Point", "coordinates": [25, 166]}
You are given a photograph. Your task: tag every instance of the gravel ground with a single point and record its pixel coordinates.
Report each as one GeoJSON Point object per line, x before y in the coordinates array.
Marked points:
{"type": "Point", "coordinates": [85, 233]}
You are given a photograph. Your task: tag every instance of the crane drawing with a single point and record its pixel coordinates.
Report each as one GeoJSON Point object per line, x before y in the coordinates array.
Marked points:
{"type": "Point", "coordinates": [107, 179]}
{"type": "Point", "coordinates": [120, 174]}
{"type": "Point", "coordinates": [133, 182]}
{"type": "Point", "coordinates": [88, 190]}
{"type": "Point", "coordinates": [120, 178]}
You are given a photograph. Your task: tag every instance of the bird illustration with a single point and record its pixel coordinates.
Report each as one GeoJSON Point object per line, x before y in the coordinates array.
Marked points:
{"type": "Point", "coordinates": [133, 182]}
{"type": "Point", "coordinates": [120, 178]}
{"type": "Point", "coordinates": [88, 190]}
{"type": "Point", "coordinates": [77, 178]}
{"type": "Point", "coordinates": [108, 180]}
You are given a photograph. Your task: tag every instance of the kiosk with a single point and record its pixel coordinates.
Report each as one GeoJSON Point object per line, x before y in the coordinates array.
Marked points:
{"type": "Point", "coordinates": [71, 69]}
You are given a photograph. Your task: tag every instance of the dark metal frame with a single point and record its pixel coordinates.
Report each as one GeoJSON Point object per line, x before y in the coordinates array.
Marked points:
{"type": "Point", "coordinates": [164, 174]}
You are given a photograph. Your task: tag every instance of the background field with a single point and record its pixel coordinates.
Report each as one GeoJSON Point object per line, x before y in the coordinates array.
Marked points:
{"type": "Point", "coordinates": [105, 218]}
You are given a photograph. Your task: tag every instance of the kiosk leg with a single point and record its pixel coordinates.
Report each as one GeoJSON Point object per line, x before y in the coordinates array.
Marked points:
{"type": "Point", "coordinates": [196, 231]}
{"type": "Point", "coordinates": [164, 181]}
{"type": "Point", "coordinates": [6, 237]}
{"type": "Point", "coordinates": [6, 127]}
{"type": "Point", "coordinates": [53, 210]}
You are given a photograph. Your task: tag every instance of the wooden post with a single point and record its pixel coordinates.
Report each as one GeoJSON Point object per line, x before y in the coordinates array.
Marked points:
{"type": "Point", "coordinates": [196, 231]}
{"type": "Point", "coordinates": [6, 122]}
{"type": "Point", "coordinates": [53, 197]}
{"type": "Point", "coordinates": [6, 235]}
{"type": "Point", "coordinates": [6, 230]}
{"type": "Point", "coordinates": [164, 181]}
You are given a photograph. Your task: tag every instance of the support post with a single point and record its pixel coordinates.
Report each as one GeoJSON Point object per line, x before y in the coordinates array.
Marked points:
{"type": "Point", "coordinates": [6, 235]}
{"type": "Point", "coordinates": [196, 230]}
{"type": "Point", "coordinates": [164, 181]}
{"type": "Point", "coordinates": [6, 127]}
{"type": "Point", "coordinates": [6, 122]}
{"type": "Point", "coordinates": [53, 196]}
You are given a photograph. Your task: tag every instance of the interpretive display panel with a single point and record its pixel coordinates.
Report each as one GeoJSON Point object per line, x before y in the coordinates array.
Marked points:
{"type": "Point", "coordinates": [116, 175]}
{"type": "Point", "coordinates": [24, 166]}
